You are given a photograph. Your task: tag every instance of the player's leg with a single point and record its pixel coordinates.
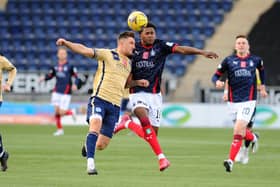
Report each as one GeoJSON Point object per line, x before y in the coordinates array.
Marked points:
{"type": "Point", "coordinates": [64, 107]}
{"type": "Point", "coordinates": [4, 155]}
{"type": "Point", "coordinates": [253, 140]}
{"type": "Point", "coordinates": [250, 136]}
{"type": "Point", "coordinates": [55, 101]}
{"type": "Point", "coordinates": [244, 114]}
{"type": "Point", "coordinates": [125, 113]}
{"type": "Point", "coordinates": [151, 137]}
{"type": "Point", "coordinates": [59, 128]}
{"type": "Point", "coordinates": [106, 130]}
{"type": "Point", "coordinates": [155, 105]}
{"type": "Point", "coordinates": [95, 115]}
{"type": "Point", "coordinates": [135, 100]}
{"type": "Point", "coordinates": [108, 124]}
{"type": "Point", "coordinates": [91, 139]}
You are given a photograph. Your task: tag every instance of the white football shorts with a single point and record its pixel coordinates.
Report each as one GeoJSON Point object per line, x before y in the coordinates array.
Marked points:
{"type": "Point", "coordinates": [242, 111]}
{"type": "Point", "coordinates": [61, 100]}
{"type": "Point", "coordinates": [153, 103]}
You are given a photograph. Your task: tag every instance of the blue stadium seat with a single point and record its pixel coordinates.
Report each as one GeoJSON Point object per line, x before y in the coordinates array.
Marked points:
{"type": "Point", "coordinates": [227, 5]}
{"type": "Point", "coordinates": [37, 24]}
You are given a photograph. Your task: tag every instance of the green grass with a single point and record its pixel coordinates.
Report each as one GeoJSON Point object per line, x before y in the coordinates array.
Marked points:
{"type": "Point", "coordinates": [37, 159]}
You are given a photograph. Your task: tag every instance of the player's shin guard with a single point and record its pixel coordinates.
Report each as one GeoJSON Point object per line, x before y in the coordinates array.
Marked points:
{"type": "Point", "coordinates": [150, 135]}
{"type": "Point", "coordinates": [91, 143]}
{"type": "Point", "coordinates": [58, 121]}
{"type": "Point", "coordinates": [235, 146]}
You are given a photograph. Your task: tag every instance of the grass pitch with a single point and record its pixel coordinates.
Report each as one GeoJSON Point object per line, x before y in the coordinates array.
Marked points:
{"type": "Point", "coordinates": [38, 159]}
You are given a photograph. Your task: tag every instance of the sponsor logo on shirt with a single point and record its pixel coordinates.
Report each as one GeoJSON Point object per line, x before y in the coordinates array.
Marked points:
{"type": "Point", "coordinates": [242, 73]}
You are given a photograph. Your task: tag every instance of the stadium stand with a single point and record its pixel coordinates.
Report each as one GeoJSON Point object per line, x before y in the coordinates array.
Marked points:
{"type": "Point", "coordinates": [29, 29]}
{"type": "Point", "coordinates": [240, 20]}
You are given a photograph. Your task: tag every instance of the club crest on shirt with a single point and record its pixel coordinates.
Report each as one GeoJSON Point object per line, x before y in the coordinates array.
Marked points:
{"type": "Point", "coordinates": [145, 55]}
{"type": "Point", "coordinates": [243, 64]}
{"type": "Point", "coordinates": [59, 68]}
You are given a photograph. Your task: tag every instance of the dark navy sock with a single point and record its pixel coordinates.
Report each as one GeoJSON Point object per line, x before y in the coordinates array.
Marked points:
{"type": "Point", "coordinates": [1, 145]}
{"type": "Point", "coordinates": [91, 143]}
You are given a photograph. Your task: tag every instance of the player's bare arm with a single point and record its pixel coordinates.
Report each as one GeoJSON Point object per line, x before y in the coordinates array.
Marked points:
{"type": "Point", "coordinates": [132, 83]}
{"type": "Point", "coordinates": [11, 76]}
{"type": "Point", "coordinates": [76, 47]}
{"type": "Point", "coordinates": [225, 96]}
{"type": "Point", "coordinates": [142, 82]}
{"type": "Point", "coordinates": [186, 50]}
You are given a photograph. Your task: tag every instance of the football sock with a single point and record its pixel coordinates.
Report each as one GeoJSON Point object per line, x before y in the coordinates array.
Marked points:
{"type": "Point", "coordinates": [58, 121]}
{"type": "Point", "coordinates": [1, 146]}
{"type": "Point", "coordinates": [150, 135]}
{"type": "Point", "coordinates": [91, 143]}
{"type": "Point", "coordinates": [235, 146]}
{"type": "Point", "coordinates": [160, 156]}
{"type": "Point", "coordinates": [69, 112]}
{"type": "Point", "coordinates": [137, 129]}
{"type": "Point", "coordinates": [249, 135]}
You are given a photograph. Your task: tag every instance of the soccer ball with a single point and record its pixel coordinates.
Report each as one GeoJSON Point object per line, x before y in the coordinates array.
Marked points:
{"type": "Point", "coordinates": [137, 20]}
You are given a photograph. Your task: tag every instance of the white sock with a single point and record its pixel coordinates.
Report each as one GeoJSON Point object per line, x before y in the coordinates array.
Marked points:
{"type": "Point", "coordinates": [160, 156]}
{"type": "Point", "coordinates": [90, 163]}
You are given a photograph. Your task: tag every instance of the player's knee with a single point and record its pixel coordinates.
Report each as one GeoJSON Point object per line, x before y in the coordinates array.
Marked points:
{"type": "Point", "coordinates": [101, 146]}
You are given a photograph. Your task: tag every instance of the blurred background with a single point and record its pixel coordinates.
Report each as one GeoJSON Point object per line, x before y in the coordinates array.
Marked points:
{"type": "Point", "coordinates": [30, 28]}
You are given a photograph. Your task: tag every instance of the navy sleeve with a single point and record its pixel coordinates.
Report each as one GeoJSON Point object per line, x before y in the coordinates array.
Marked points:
{"type": "Point", "coordinates": [50, 74]}
{"type": "Point", "coordinates": [222, 68]}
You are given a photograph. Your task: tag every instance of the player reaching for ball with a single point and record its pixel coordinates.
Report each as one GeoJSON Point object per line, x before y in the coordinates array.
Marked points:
{"type": "Point", "coordinates": [148, 63]}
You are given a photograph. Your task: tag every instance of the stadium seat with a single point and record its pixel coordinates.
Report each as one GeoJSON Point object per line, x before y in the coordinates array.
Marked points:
{"type": "Point", "coordinates": [37, 24]}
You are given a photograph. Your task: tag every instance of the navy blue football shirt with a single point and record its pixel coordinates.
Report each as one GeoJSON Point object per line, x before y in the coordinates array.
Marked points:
{"type": "Point", "coordinates": [63, 74]}
{"type": "Point", "coordinates": [148, 63]}
{"type": "Point", "coordinates": [241, 74]}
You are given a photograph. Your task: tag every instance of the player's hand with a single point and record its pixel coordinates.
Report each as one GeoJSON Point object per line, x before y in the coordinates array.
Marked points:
{"type": "Point", "coordinates": [60, 42]}
{"type": "Point", "coordinates": [210, 54]}
{"type": "Point", "coordinates": [74, 87]}
{"type": "Point", "coordinates": [6, 87]}
{"type": "Point", "coordinates": [225, 97]}
{"type": "Point", "coordinates": [220, 84]}
{"type": "Point", "coordinates": [41, 79]}
{"type": "Point", "coordinates": [142, 82]}
{"type": "Point", "coordinates": [263, 91]}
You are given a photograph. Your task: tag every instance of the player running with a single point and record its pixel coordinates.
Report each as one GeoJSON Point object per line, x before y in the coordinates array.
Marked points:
{"type": "Point", "coordinates": [61, 95]}
{"type": "Point", "coordinates": [242, 92]}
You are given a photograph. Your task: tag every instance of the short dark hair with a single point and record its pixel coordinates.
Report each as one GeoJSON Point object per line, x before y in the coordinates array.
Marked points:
{"type": "Point", "coordinates": [126, 34]}
{"type": "Point", "coordinates": [241, 36]}
{"type": "Point", "coordinates": [150, 24]}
